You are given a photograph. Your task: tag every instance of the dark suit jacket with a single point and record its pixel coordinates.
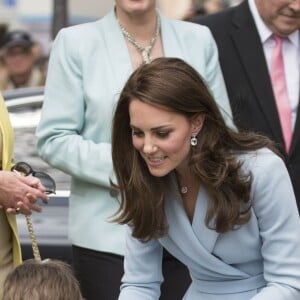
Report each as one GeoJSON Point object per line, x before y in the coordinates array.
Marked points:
{"type": "Point", "coordinates": [248, 83]}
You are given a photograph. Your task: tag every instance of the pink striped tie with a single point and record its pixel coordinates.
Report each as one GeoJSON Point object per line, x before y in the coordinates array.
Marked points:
{"type": "Point", "coordinates": [280, 91]}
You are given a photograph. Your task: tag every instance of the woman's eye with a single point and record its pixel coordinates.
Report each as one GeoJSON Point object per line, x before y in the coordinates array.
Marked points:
{"type": "Point", "coordinates": [163, 134]}
{"type": "Point", "coordinates": [137, 133]}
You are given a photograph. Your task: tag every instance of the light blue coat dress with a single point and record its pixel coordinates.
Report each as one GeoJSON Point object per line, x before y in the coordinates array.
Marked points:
{"type": "Point", "coordinates": [89, 65]}
{"type": "Point", "coordinates": [258, 261]}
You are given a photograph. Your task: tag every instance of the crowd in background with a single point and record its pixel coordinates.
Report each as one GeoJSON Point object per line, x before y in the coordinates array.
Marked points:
{"type": "Point", "coordinates": [23, 63]}
{"type": "Point", "coordinates": [242, 66]}
{"type": "Point", "coordinates": [20, 57]}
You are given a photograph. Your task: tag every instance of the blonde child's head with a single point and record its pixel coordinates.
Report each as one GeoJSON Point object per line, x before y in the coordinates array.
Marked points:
{"type": "Point", "coordinates": [42, 280]}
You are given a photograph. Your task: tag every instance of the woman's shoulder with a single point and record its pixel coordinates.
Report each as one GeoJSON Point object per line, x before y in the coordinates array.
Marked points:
{"type": "Point", "coordinates": [88, 29]}
{"type": "Point", "coordinates": [261, 159]}
{"type": "Point", "coordinates": [188, 27]}
{"type": "Point", "coordinates": [80, 30]}
{"type": "Point", "coordinates": [82, 38]}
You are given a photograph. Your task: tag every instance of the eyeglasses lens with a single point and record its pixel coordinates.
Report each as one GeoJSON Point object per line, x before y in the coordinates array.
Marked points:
{"type": "Point", "coordinates": [47, 181]}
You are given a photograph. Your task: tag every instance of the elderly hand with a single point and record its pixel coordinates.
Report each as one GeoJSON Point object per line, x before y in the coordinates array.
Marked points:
{"type": "Point", "coordinates": [19, 194]}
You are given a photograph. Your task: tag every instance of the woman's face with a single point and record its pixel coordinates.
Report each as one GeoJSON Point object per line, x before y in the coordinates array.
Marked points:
{"type": "Point", "coordinates": [161, 137]}
{"type": "Point", "coordinates": [135, 7]}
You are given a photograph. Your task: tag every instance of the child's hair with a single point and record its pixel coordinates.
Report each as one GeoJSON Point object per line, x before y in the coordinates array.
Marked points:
{"type": "Point", "coordinates": [42, 280]}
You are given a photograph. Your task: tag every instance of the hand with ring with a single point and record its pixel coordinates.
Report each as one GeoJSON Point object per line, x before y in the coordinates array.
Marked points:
{"type": "Point", "coordinates": [18, 194]}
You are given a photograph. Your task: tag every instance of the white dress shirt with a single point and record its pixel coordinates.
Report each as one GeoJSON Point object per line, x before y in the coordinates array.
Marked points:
{"type": "Point", "coordinates": [291, 57]}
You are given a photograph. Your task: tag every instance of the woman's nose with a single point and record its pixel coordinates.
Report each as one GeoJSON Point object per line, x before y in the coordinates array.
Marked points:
{"type": "Point", "coordinates": [149, 146]}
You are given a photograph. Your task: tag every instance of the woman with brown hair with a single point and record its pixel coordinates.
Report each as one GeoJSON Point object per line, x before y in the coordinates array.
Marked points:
{"type": "Point", "coordinates": [88, 66]}
{"type": "Point", "coordinates": [219, 201]}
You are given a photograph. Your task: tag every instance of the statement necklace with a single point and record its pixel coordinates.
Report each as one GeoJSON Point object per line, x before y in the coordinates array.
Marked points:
{"type": "Point", "coordinates": [144, 51]}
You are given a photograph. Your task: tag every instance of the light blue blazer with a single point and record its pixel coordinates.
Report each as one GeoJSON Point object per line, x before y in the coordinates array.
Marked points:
{"type": "Point", "coordinates": [260, 260]}
{"type": "Point", "coordinates": [88, 67]}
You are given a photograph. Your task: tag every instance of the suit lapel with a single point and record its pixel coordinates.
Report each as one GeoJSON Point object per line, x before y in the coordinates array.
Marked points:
{"type": "Point", "coordinates": [117, 50]}
{"type": "Point", "coordinates": [252, 58]}
{"type": "Point", "coordinates": [296, 135]}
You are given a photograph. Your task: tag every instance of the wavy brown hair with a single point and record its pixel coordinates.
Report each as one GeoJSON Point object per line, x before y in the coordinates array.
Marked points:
{"type": "Point", "coordinates": [173, 84]}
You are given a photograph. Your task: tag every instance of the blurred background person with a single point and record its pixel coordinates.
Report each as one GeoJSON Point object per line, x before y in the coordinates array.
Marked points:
{"type": "Point", "coordinates": [19, 57]}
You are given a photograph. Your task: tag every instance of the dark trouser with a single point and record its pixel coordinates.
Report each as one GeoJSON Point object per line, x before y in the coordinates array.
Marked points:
{"type": "Point", "coordinates": [100, 274]}
{"type": "Point", "coordinates": [176, 278]}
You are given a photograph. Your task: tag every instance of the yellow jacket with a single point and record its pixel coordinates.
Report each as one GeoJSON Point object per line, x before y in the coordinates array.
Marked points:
{"type": "Point", "coordinates": [7, 161]}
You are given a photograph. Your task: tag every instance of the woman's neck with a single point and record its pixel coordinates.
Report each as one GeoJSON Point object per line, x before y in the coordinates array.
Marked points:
{"type": "Point", "coordinates": [188, 186]}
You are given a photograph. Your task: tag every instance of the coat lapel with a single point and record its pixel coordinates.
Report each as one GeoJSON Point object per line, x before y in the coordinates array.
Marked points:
{"type": "Point", "coordinates": [117, 50]}
{"type": "Point", "coordinates": [170, 43]}
{"type": "Point", "coordinates": [196, 241]}
{"type": "Point", "coordinates": [207, 237]}
{"type": "Point", "coordinates": [255, 65]}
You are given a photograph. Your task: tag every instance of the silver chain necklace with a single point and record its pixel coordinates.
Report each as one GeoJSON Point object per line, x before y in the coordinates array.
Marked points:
{"type": "Point", "coordinates": [144, 51]}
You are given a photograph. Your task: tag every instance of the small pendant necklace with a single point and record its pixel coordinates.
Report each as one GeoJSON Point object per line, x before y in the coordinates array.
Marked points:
{"type": "Point", "coordinates": [144, 51]}
{"type": "Point", "coordinates": [183, 189]}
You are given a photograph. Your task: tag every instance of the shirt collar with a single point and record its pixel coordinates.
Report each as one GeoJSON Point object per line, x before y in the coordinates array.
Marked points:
{"type": "Point", "coordinates": [263, 31]}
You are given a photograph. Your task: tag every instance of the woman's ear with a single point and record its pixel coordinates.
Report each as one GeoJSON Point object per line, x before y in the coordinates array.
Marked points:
{"type": "Point", "coordinates": [197, 123]}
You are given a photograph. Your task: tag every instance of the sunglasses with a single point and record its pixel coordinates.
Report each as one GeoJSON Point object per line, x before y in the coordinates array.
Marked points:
{"type": "Point", "coordinates": [46, 180]}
